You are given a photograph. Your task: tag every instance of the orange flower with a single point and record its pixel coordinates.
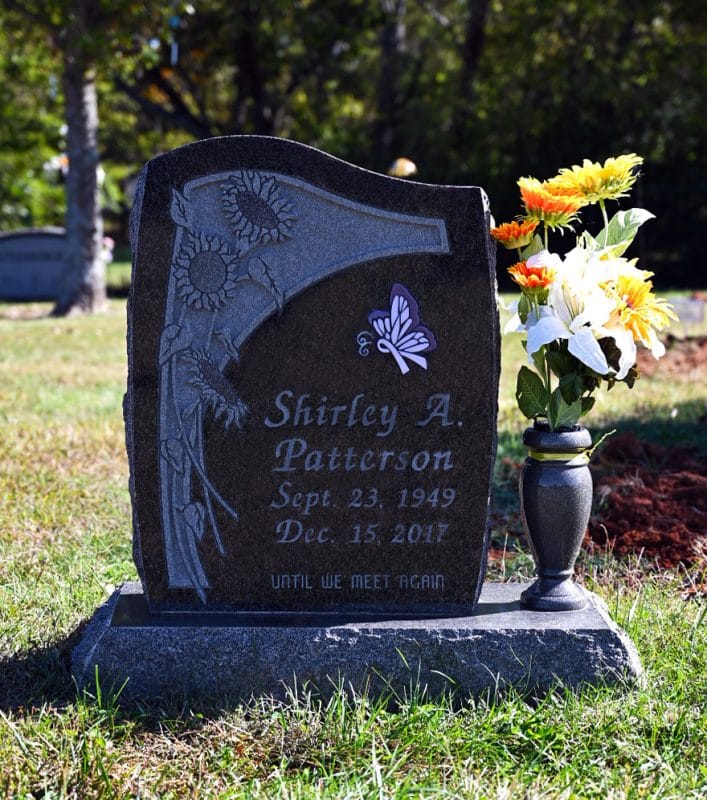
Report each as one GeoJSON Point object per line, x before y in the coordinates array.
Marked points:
{"type": "Point", "coordinates": [532, 279]}
{"type": "Point", "coordinates": [515, 234]}
{"type": "Point", "coordinates": [554, 206]}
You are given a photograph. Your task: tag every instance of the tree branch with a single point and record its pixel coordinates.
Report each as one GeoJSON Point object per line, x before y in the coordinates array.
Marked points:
{"type": "Point", "coordinates": [179, 117]}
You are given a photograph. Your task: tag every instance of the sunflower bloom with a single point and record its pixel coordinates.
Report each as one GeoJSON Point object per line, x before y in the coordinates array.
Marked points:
{"type": "Point", "coordinates": [639, 310]}
{"type": "Point", "coordinates": [532, 278]}
{"type": "Point", "coordinates": [514, 235]}
{"type": "Point", "coordinates": [596, 182]}
{"type": "Point", "coordinates": [556, 207]}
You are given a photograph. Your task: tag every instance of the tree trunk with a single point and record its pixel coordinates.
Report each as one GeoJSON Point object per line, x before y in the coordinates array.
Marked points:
{"type": "Point", "coordinates": [83, 288]}
{"type": "Point", "coordinates": [392, 40]}
{"type": "Point", "coordinates": [471, 53]}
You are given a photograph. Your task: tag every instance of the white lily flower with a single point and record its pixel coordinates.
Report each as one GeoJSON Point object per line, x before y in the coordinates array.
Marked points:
{"type": "Point", "coordinates": [576, 311]}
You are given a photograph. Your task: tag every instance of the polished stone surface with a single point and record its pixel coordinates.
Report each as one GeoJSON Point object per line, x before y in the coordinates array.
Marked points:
{"type": "Point", "coordinates": [232, 657]}
{"type": "Point", "coordinates": [313, 372]}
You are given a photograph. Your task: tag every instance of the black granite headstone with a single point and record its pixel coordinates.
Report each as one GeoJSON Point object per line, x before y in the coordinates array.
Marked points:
{"type": "Point", "coordinates": [312, 394]}
{"type": "Point", "coordinates": [32, 263]}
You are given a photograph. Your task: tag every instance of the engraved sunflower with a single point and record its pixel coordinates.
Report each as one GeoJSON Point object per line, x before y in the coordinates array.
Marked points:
{"type": "Point", "coordinates": [255, 209]}
{"type": "Point", "coordinates": [215, 389]}
{"type": "Point", "coordinates": [205, 271]}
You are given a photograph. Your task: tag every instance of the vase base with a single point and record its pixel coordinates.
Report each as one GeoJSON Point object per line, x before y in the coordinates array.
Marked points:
{"type": "Point", "coordinates": [553, 594]}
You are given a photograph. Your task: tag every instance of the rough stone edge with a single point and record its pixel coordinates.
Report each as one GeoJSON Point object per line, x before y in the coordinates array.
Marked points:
{"type": "Point", "coordinates": [613, 655]}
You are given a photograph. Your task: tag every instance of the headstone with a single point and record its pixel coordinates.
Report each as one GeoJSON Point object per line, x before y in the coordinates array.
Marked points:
{"type": "Point", "coordinates": [311, 429]}
{"type": "Point", "coordinates": [313, 372]}
{"type": "Point", "coordinates": [31, 263]}
{"type": "Point", "coordinates": [690, 312]}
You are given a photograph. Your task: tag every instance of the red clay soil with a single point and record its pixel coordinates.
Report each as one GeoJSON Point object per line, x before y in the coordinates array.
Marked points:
{"type": "Point", "coordinates": [684, 359]}
{"type": "Point", "coordinates": [652, 500]}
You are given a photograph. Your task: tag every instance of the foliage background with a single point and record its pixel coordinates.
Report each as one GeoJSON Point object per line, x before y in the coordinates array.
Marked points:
{"type": "Point", "coordinates": [473, 91]}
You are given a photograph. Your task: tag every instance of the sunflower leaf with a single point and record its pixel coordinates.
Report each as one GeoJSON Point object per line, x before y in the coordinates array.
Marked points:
{"type": "Point", "coordinates": [173, 340]}
{"type": "Point", "coordinates": [179, 209]}
{"type": "Point", "coordinates": [194, 516]}
{"type": "Point", "coordinates": [172, 452]}
{"type": "Point", "coordinates": [263, 274]}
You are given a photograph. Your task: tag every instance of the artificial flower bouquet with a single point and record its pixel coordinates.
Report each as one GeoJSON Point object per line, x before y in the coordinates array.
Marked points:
{"type": "Point", "coordinates": [583, 313]}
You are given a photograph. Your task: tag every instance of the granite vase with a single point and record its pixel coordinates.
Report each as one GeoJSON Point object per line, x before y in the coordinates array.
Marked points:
{"type": "Point", "coordinates": [555, 501]}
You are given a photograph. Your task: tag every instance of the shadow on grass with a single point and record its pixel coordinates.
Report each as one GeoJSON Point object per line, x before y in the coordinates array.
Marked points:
{"type": "Point", "coordinates": [40, 676]}
{"type": "Point", "coordinates": [680, 425]}
{"type": "Point", "coordinates": [118, 292]}
{"type": "Point", "coordinates": [683, 426]}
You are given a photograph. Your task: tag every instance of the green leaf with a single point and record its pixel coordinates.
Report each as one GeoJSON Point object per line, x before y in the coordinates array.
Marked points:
{"type": "Point", "coordinates": [561, 414]}
{"type": "Point", "coordinates": [535, 246]}
{"type": "Point", "coordinates": [588, 404]}
{"type": "Point", "coordinates": [531, 394]}
{"type": "Point", "coordinates": [539, 360]}
{"type": "Point", "coordinates": [523, 308]}
{"type": "Point", "coordinates": [587, 242]}
{"type": "Point", "coordinates": [621, 231]}
{"type": "Point", "coordinates": [560, 363]}
{"type": "Point", "coordinates": [571, 387]}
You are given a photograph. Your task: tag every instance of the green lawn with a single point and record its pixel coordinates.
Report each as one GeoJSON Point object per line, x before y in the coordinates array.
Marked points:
{"type": "Point", "coordinates": [65, 539]}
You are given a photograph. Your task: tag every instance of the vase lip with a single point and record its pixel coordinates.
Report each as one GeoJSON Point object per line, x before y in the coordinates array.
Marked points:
{"type": "Point", "coordinates": [540, 437]}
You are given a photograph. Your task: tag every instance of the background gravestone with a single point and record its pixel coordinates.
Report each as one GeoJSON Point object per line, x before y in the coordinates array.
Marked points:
{"type": "Point", "coordinates": [313, 368]}
{"type": "Point", "coordinates": [31, 263]}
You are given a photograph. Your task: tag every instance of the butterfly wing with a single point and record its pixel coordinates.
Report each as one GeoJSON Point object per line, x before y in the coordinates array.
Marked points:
{"type": "Point", "coordinates": [400, 330]}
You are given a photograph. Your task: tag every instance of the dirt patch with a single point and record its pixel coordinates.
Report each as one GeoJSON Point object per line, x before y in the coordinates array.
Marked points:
{"type": "Point", "coordinates": [650, 500]}
{"type": "Point", "coordinates": [684, 359]}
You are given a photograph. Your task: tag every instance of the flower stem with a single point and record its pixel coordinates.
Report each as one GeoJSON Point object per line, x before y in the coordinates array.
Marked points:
{"type": "Point", "coordinates": [602, 206]}
{"type": "Point", "coordinates": [545, 236]}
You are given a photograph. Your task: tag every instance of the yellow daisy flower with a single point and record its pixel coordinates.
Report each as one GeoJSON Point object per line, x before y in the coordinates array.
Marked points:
{"type": "Point", "coordinates": [597, 182]}
{"type": "Point", "coordinates": [638, 309]}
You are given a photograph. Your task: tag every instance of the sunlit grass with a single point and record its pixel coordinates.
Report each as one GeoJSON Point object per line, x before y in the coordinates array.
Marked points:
{"type": "Point", "coordinates": [65, 541]}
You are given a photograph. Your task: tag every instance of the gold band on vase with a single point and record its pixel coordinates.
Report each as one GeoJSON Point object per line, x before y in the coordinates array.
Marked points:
{"type": "Point", "coordinates": [572, 459]}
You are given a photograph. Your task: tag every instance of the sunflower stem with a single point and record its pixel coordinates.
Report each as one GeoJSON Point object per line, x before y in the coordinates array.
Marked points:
{"type": "Point", "coordinates": [192, 455]}
{"type": "Point", "coordinates": [211, 329]}
{"type": "Point", "coordinates": [205, 480]}
{"type": "Point", "coordinates": [207, 494]}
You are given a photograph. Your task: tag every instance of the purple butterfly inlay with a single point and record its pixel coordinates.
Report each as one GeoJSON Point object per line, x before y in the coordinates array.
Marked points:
{"type": "Point", "coordinates": [400, 331]}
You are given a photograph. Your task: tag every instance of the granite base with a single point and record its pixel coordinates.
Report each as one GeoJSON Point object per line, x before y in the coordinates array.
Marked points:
{"type": "Point", "coordinates": [238, 657]}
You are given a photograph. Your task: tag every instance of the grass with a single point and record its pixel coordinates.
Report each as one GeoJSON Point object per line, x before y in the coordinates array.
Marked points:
{"type": "Point", "coordinates": [65, 543]}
